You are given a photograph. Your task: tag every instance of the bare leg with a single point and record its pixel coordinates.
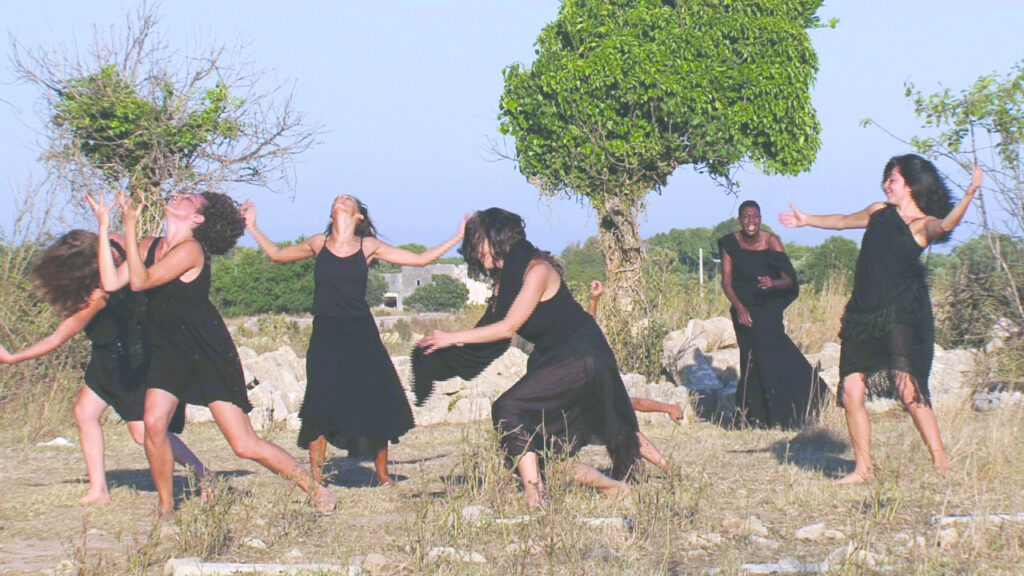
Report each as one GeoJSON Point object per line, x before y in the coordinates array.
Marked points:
{"type": "Point", "coordinates": [651, 453]}
{"type": "Point", "coordinates": [926, 423]}
{"type": "Point", "coordinates": [859, 425]}
{"type": "Point", "coordinates": [589, 476]}
{"type": "Point", "coordinates": [529, 473]}
{"type": "Point", "coordinates": [88, 409]}
{"type": "Point", "coordinates": [238, 431]}
{"type": "Point", "coordinates": [160, 406]}
{"type": "Point", "coordinates": [317, 453]}
{"type": "Point", "coordinates": [380, 464]}
{"type": "Point", "coordinates": [182, 453]}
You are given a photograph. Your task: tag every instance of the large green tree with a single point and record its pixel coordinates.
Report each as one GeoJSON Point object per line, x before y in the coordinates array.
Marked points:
{"type": "Point", "coordinates": [130, 112]}
{"type": "Point", "coordinates": [623, 92]}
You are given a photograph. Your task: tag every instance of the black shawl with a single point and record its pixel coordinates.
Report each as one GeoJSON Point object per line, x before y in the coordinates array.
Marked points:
{"type": "Point", "coordinates": [469, 360]}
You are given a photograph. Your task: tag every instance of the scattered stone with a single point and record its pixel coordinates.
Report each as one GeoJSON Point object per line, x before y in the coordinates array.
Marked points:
{"type": "Point", "coordinates": [59, 441]}
{"type": "Point", "coordinates": [771, 544]}
{"type": "Point", "coordinates": [813, 532]}
{"type": "Point", "coordinates": [518, 548]}
{"type": "Point", "coordinates": [783, 566]}
{"type": "Point", "coordinates": [374, 563]}
{"type": "Point", "coordinates": [954, 519]}
{"type": "Point", "coordinates": [614, 522]}
{"type": "Point", "coordinates": [513, 520]}
{"type": "Point", "coordinates": [454, 554]}
{"type": "Point", "coordinates": [196, 567]}
{"type": "Point", "coordinates": [294, 552]}
{"type": "Point", "coordinates": [752, 526]}
{"type": "Point", "coordinates": [476, 515]}
{"type": "Point", "coordinates": [851, 555]}
{"type": "Point", "coordinates": [254, 543]}
{"type": "Point", "coordinates": [947, 538]}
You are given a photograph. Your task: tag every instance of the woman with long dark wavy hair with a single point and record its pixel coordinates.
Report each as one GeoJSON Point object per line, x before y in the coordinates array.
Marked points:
{"type": "Point", "coordinates": [888, 331]}
{"type": "Point", "coordinates": [354, 398]}
{"type": "Point", "coordinates": [67, 277]}
{"type": "Point", "coordinates": [572, 394]}
{"type": "Point", "coordinates": [194, 360]}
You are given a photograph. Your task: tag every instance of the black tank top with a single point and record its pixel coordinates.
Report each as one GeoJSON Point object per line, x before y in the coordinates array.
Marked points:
{"type": "Point", "coordinates": [340, 283]}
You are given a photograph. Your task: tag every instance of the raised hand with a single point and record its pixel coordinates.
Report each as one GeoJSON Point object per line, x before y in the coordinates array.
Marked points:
{"type": "Point", "coordinates": [596, 289]}
{"type": "Point", "coordinates": [130, 211]}
{"type": "Point", "coordinates": [101, 209]}
{"type": "Point", "coordinates": [248, 211]}
{"type": "Point", "coordinates": [977, 176]}
{"type": "Point", "coordinates": [462, 226]}
{"type": "Point", "coordinates": [794, 218]}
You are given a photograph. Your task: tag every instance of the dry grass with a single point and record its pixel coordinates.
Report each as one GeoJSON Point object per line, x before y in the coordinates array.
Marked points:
{"type": "Point", "coordinates": [690, 522]}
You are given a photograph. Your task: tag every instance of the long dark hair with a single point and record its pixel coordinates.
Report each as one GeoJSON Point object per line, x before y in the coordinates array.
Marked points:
{"type": "Point", "coordinates": [927, 187]}
{"type": "Point", "coordinates": [364, 227]}
{"type": "Point", "coordinates": [222, 223]}
{"type": "Point", "coordinates": [67, 272]}
{"type": "Point", "coordinates": [502, 229]}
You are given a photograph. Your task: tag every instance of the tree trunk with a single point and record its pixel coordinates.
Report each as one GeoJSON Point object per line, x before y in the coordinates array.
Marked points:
{"type": "Point", "coordinates": [623, 256]}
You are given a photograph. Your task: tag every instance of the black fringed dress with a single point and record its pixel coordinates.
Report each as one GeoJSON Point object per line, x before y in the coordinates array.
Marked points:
{"type": "Point", "coordinates": [888, 331]}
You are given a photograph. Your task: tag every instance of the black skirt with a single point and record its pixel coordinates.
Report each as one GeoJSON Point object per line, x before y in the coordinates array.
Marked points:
{"type": "Point", "coordinates": [353, 394]}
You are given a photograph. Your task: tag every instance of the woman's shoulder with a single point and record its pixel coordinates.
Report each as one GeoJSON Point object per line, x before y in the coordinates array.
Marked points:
{"type": "Point", "coordinates": [728, 242]}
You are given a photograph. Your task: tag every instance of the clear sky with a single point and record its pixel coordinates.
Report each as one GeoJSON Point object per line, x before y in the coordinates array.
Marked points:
{"type": "Point", "coordinates": [408, 94]}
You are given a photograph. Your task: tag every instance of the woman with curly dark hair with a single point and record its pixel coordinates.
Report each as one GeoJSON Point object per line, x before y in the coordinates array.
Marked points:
{"type": "Point", "coordinates": [888, 331]}
{"type": "Point", "coordinates": [194, 360]}
{"type": "Point", "coordinates": [572, 394]}
{"type": "Point", "coordinates": [353, 398]}
{"type": "Point", "coordinates": [66, 276]}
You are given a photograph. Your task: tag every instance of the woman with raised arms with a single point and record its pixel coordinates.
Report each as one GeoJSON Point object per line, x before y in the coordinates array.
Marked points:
{"type": "Point", "coordinates": [888, 331]}
{"type": "Point", "coordinates": [353, 398]}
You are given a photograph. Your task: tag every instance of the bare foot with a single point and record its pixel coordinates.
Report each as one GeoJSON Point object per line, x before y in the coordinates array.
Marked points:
{"type": "Point", "coordinates": [535, 496]}
{"type": "Point", "coordinates": [93, 498]}
{"type": "Point", "coordinates": [855, 477]}
{"type": "Point", "coordinates": [941, 467]}
{"type": "Point", "coordinates": [323, 500]}
{"type": "Point", "coordinates": [616, 491]}
{"type": "Point", "coordinates": [385, 481]}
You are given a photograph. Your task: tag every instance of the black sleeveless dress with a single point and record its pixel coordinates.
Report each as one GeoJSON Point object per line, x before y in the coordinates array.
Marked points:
{"type": "Point", "coordinates": [119, 361]}
{"type": "Point", "coordinates": [353, 397]}
{"type": "Point", "coordinates": [777, 386]}
{"type": "Point", "coordinates": [193, 356]}
{"type": "Point", "coordinates": [572, 394]}
{"type": "Point", "coordinates": [888, 331]}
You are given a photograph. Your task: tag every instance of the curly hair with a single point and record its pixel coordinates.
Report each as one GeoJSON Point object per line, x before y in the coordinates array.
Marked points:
{"type": "Point", "coordinates": [222, 225]}
{"type": "Point", "coordinates": [67, 272]}
{"type": "Point", "coordinates": [364, 227]}
{"type": "Point", "coordinates": [927, 187]}
{"type": "Point", "coordinates": [501, 229]}
{"type": "Point", "coordinates": [747, 204]}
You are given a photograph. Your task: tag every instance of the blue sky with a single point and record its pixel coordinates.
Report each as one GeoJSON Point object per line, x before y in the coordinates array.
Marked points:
{"type": "Point", "coordinates": [408, 94]}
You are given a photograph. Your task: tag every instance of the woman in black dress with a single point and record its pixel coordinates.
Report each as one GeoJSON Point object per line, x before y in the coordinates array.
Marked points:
{"type": "Point", "coordinates": [194, 360]}
{"type": "Point", "coordinates": [66, 276]}
{"type": "Point", "coordinates": [572, 393]}
{"type": "Point", "coordinates": [887, 329]}
{"type": "Point", "coordinates": [353, 394]}
{"type": "Point", "coordinates": [777, 385]}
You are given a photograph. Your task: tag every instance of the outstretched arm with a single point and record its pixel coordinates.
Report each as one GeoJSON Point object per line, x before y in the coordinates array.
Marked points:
{"type": "Point", "coordinates": [388, 253]}
{"type": "Point", "coordinates": [935, 228]}
{"type": "Point", "coordinates": [112, 276]}
{"type": "Point", "coordinates": [295, 252]}
{"type": "Point", "coordinates": [65, 330]}
{"type": "Point", "coordinates": [538, 276]}
{"type": "Point", "coordinates": [796, 219]}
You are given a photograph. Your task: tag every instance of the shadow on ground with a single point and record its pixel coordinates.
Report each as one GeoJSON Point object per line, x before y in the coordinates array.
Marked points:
{"type": "Point", "coordinates": [355, 472]}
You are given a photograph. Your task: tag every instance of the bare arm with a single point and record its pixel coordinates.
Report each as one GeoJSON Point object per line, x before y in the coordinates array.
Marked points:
{"type": "Point", "coordinates": [295, 252]}
{"type": "Point", "coordinates": [769, 283]}
{"type": "Point", "coordinates": [796, 219]}
{"type": "Point", "coordinates": [540, 277]}
{"type": "Point", "coordinates": [184, 257]}
{"type": "Point", "coordinates": [375, 249]}
{"type": "Point", "coordinates": [112, 276]}
{"type": "Point", "coordinates": [596, 290]}
{"type": "Point", "coordinates": [65, 330]}
{"type": "Point", "coordinates": [935, 228]}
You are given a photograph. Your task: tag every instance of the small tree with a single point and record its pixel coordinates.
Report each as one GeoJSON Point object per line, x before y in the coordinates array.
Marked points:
{"type": "Point", "coordinates": [837, 255]}
{"type": "Point", "coordinates": [584, 263]}
{"type": "Point", "coordinates": [622, 92]}
{"type": "Point", "coordinates": [133, 114]}
{"type": "Point", "coordinates": [376, 287]}
{"type": "Point", "coordinates": [442, 294]}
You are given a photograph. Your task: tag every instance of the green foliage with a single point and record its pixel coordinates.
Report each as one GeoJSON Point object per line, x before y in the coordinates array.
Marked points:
{"type": "Point", "coordinates": [583, 263]}
{"type": "Point", "coordinates": [245, 282]}
{"type": "Point", "coordinates": [836, 256]}
{"type": "Point", "coordinates": [442, 294]}
{"type": "Point", "coordinates": [686, 245]}
{"type": "Point", "coordinates": [129, 138]}
{"type": "Point", "coordinates": [976, 294]}
{"type": "Point", "coordinates": [413, 247]}
{"type": "Point", "coordinates": [624, 91]}
{"type": "Point", "coordinates": [376, 287]}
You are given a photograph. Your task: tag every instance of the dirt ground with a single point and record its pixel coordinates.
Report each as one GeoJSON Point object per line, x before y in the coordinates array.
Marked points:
{"type": "Point", "coordinates": [733, 498]}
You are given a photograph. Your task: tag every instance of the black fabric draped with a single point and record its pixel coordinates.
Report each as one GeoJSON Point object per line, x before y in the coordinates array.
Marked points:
{"type": "Point", "coordinates": [777, 386]}
{"type": "Point", "coordinates": [572, 393]}
{"type": "Point", "coordinates": [888, 330]}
